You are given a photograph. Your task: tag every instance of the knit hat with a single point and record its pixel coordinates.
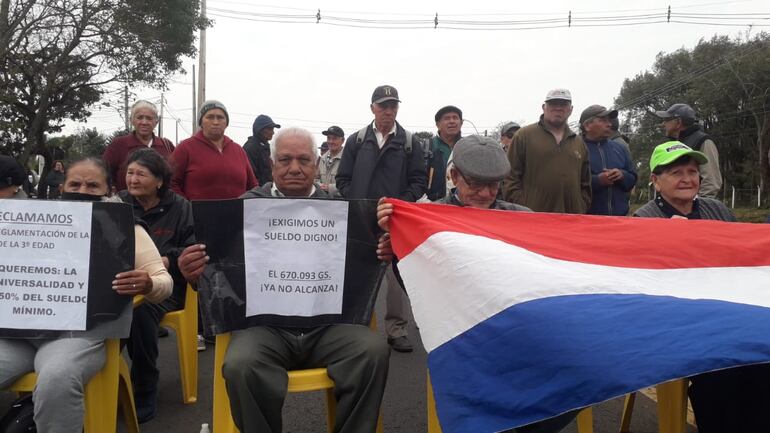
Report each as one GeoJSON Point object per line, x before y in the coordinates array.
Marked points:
{"type": "Point", "coordinates": [210, 105]}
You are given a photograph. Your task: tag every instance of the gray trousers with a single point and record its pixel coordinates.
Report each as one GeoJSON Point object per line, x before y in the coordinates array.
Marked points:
{"type": "Point", "coordinates": [396, 305]}
{"type": "Point", "coordinates": [257, 360]}
{"type": "Point", "coordinates": [64, 366]}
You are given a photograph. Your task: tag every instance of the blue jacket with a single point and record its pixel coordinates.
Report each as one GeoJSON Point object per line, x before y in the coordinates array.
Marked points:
{"type": "Point", "coordinates": [613, 199]}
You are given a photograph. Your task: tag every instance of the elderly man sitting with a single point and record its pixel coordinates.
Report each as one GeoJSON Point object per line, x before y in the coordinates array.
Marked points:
{"type": "Point", "coordinates": [479, 166]}
{"type": "Point", "coordinates": [257, 359]}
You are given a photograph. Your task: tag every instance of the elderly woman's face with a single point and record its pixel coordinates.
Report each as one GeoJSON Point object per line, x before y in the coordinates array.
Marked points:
{"type": "Point", "coordinates": [86, 178]}
{"type": "Point", "coordinates": [678, 183]}
{"type": "Point", "coordinates": [144, 122]}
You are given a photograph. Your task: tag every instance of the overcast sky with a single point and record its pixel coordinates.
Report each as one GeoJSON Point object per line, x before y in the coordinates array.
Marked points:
{"type": "Point", "coordinates": [315, 75]}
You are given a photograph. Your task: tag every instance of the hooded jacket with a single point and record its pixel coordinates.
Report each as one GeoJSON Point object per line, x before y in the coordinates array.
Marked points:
{"type": "Point", "coordinates": [258, 150]}
{"type": "Point", "coordinates": [611, 199]}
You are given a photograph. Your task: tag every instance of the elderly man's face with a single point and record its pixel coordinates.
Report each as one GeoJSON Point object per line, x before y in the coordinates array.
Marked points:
{"type": "Point", "coordinates": [556, 112]}
{"type": "Point", "coordinates": [598, 128]}
{"type": "Point", "coordinates": [672, 126]}
{"type": "Point", "coordinates": [474, 193]}
{"type": "Point", "coordinates": [385, 114]}
{"type": "Point", "coordinates": [449, 125]}
{"type": "Point", "coordinates": [335, 143]}
{"type": "Point", "coordinates": [294, 169]}
{"type": "Point", "coordinates": [679, 183]}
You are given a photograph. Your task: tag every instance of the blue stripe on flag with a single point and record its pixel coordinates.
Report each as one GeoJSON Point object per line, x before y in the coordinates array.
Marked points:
{"type": "Point", "coordinates": [541, 358]}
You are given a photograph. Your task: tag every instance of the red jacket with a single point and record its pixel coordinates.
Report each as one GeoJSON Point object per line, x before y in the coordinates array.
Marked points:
{"type": "Point", "coordinates": [202, 172]}
{"type": "Point", "coordinates": [121, 147]}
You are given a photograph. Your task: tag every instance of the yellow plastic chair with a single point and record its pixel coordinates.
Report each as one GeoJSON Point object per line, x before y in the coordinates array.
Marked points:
{"type": "Point", "coordinates": [314, 379]}
{"type": "Point", "coordinates": [585, 418]}
{"type": "Point", "coordinates": [185, 325]}
{"type": "Point", "coordinates": [108, 388]}
{"type": "Point", "coordinates": [672, 407]}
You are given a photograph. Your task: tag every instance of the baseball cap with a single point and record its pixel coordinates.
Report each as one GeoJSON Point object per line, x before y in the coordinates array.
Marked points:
{"type": "Point", "coordinates": [597, 111]}
{"type": "Point", "coordinates": [670, 151]}
{"type": "Point", "coordinates": [682, 111]}
{"type": "Point", "coordinates": [11, 172]}
{"type": "Point", "coordinates": [334, 130]}
{"type": "Point", "coordinates": [384, 93]}
{"type": "Point", "coordinates": [448, 109]}
{"type": "Point", "coordinates": [480, 158]}
{"type": "Point", "coordinates": [558, 94]}
{"type": "Point", "coordinates": [508, 126]}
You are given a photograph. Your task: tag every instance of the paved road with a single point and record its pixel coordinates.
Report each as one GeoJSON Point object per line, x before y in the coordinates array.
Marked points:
{"type": "Point", "coordinates": [403, 406]}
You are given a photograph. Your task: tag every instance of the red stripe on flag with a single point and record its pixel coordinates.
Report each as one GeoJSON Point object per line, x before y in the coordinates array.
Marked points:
{"type": "Point", "coordinates": [647, 243]}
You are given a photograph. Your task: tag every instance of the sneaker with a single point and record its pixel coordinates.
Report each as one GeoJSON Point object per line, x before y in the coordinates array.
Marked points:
{"type": "Point", "coordinates": [201, 343]}
{"type": "Point", "coordinates": [401, 344]}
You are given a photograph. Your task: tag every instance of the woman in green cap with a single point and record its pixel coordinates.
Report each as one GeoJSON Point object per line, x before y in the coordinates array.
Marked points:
{"type": "Point", "coordinates": [725, 401]}
{"type": "Point", "coordinates": [675, 173]}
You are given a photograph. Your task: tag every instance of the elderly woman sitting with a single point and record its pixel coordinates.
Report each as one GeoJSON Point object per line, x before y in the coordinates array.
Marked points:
{"type": "Point", "coordinates": [725, 401]}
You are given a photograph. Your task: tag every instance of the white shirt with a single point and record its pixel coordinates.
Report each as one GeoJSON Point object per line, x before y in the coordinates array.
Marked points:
{"type": "Point", "coordinates": [276, 193]}
{"type": "Point", "coordinates": [381, 139]}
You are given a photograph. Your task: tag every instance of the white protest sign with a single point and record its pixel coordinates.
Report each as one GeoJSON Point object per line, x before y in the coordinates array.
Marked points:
{"type": "Point", "coordinates": [45, 252]}
{"type": "Point", "coordinates": [295, 256]}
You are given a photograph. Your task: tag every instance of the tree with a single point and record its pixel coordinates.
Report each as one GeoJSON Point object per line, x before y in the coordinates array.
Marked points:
{"type": "Point", "coordinates": [727, 81]}
{"type": "Point", "coordinates": [57, 56]}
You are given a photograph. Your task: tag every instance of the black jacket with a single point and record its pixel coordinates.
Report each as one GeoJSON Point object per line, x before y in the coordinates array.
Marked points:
{"type": "Point", "coordinates": [259, 158]}
{"type": "Point", "coordinates": [170, 225]}
{"type": "Point", "coordinates": [366, 171]}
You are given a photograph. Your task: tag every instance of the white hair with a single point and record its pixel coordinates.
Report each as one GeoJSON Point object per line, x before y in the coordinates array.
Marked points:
{"type": "Point", "coordinates": [143, 105]}
{"type": "Point", "coordinates": [292, 132]}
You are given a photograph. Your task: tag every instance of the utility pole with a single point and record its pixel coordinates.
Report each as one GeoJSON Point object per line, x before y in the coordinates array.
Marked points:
{"type": "Point", "coordinates": [177, 132]}
{"type": "Point", "coordinates": [125, 106]}
{"type": "Point", "coordinates": [194, 105]}
{"type": "Point", "coordinates": [201, 66]}
{"type": "Point", "coordinates": [160, 121]}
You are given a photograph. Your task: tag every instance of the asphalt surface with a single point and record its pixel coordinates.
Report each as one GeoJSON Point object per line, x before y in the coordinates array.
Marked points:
{"type": "Point", "coordinates": [403, 410]}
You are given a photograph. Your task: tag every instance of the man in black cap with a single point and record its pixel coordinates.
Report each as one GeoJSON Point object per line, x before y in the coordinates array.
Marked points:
{"type": "Point", "coordinates": [612, 173]}
{"type": "Point", "coordinates": [449, 122]}
{"type": "Point", "coordinates": [384, 160]}
{"type": "Point", "coordinates": [329, 162]}
{"type": "Point", "coordinates": [679, 124]}
{"type": "Point", "coordinates": [507, 131]}
{"type": "Point", "coordinates": [257, 147]}
{"type": "Point", "coordinates": [12, 177]}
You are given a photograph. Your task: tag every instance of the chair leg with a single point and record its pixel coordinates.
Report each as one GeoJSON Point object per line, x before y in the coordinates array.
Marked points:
{"type": "Point", "coordinates": [672, 406]}
{"type": "Point", "coordinates": [126, 399]}
{"type": "Point", "coordinates": [101, 396]}
{"type": "Point", "coordinates": [187, 351]}
{"type": "Point", "coordinates": [331, 410]}
{"type": "Point", "coordinates": [223, 417]}
{"type": "Point", "coordinates": [433, 425]}
{"type": "Point", "coordinates": [628, 412]}
{"type": "Point", "coordinates": [585, 420]}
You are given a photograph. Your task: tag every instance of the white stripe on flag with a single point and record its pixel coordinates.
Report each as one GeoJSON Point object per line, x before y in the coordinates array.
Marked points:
{"type": "Point", "coordinates": [457, 280]}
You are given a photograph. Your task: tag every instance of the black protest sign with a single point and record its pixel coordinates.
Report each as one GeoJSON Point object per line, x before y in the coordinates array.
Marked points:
{"type": "Point", "coordinates": [59, 259]}
{"type": "Point", "coordinates": [287, 262]}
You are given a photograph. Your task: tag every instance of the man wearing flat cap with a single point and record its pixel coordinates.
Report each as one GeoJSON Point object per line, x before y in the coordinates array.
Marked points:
{"type": "Point", "coordinates": [449, 122]}
{"type": "Point", "coordinates": [384, 160]}
{"type": "Point", "coordinates": [549, 162]}
{"type": "Point", "coordinates": [329, 162]}
{"type": "Point", "coordinates": [12, 177]}
{"type": "Point", "coordinates": [612, 173]}
{"type": "Point", "coordinates": [679, 123]}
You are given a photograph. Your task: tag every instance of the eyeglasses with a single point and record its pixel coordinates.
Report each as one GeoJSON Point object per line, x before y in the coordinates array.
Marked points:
{"type": "Point", "coordinates": [508, 135]}
{"type": "Point", "coordinates": [477, 186]}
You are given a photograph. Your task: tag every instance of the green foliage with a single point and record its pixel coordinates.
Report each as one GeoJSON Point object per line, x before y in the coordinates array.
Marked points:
{"type": "Point", "coordinates": [727, 81]}
{"type": "Point", "coordinates": [57, 56]}
{"type": "Point", "coordinates": [86, 142]}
